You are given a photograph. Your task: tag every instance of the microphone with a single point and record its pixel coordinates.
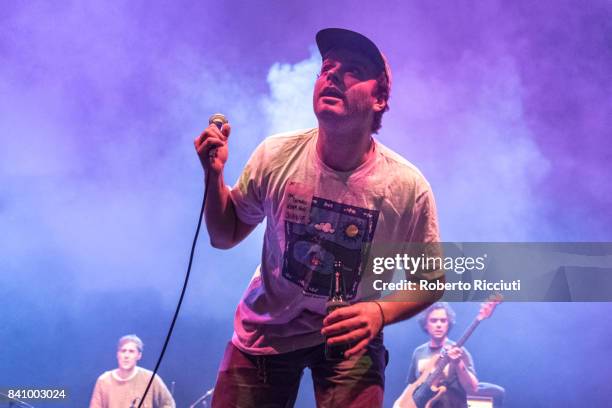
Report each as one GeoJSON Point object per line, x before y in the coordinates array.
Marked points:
{"type": "Point", "coordinates": [218, 119]}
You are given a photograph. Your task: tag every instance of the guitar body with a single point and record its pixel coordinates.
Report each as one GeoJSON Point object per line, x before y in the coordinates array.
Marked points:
{"type": "Point", "coordinates": [418, 394]}
{"type": "Point", "coordinates": [433, 402]}
{"type": "Point", "coordinates": [405, 400]}
{"type": "Point", "coordinates": [432, 398]}
{"type": "Point", "coordinates": [447, 398]}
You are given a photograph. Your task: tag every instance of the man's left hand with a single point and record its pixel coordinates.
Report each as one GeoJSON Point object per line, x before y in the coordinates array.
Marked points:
{"type": "Point", "coordinates": [356, 324]}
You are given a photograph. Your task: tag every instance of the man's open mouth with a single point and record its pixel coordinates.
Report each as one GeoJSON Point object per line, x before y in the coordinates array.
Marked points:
{"type": "Point", "coordinates": [332, 92]}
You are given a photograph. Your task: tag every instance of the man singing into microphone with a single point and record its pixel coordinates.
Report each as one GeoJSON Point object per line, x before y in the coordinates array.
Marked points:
{"type": "Point", "coordinates": [326, 194]}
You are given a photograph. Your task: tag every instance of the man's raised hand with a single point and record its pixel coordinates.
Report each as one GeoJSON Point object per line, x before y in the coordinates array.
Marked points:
{"type": "Point", "coordinates": [211, 146]}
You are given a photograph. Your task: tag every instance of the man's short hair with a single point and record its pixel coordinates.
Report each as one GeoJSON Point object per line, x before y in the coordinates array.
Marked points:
{"type": "Point", "coordinates": [450, 314]}
{"type": "Point", "coordinates": [383, 88]}
{"type": "Point", "coordinates": [130, 338]}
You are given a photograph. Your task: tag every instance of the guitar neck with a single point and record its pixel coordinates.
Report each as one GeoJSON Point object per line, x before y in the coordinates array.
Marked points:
{"type": "Point", "coordinates": [443, 360]}
{"type": "Point", "coordinates": [468, 333]}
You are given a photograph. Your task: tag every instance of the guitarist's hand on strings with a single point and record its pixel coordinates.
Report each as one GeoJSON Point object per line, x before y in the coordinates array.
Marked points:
{"type": "Point", "coordinates": [356, 324]}
{"type": "Point", "coordinates": [455, 357]}
{"type": "Point", "coordinates": [455, 354]}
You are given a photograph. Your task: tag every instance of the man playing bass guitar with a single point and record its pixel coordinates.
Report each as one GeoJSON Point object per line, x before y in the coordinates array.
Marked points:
{"type": "Point", "coordinates": [458, 375]}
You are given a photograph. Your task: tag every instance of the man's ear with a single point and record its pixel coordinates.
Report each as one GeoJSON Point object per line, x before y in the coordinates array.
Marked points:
{"type": "Point", "coordinates": [380, 104]}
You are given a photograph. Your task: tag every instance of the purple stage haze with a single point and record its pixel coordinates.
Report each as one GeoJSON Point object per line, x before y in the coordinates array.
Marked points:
{"type": "Point", "coordinates": [506, 107]}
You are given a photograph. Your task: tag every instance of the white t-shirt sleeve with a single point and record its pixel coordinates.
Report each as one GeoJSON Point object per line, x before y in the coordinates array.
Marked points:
{"type": "Point", "coordinates": [425, 227]}
{"type": "Point", "coordinates": [248, 192]}
{"type": "Point", "coordinates": [425, 231]}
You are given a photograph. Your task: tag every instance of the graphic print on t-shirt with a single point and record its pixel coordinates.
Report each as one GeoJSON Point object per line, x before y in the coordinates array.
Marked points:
{"type": "Point", "coordinates": [332, 231]}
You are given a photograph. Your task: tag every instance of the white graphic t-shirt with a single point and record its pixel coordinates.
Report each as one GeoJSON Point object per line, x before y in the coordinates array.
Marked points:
{"type": "Point", "coordinates": [314, 217]}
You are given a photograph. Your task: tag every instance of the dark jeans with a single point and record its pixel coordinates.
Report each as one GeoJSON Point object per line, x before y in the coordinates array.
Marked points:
{"type": "Point", "coordinates": [246, 380]}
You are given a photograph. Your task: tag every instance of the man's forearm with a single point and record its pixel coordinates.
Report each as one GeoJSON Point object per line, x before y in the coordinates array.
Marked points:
{"type": "Point", "coordinates": [467, 379]}
{"type": "Point", "coordinates": [220, 214]}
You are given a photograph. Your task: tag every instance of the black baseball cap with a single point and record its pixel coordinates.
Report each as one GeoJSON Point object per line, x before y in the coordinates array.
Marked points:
{"type": "Point", "coordinates": [330, 38]}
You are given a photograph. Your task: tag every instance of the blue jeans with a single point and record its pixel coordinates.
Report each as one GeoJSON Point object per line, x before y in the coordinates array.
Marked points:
{"type": "Point", "coordinates": [246, 380]}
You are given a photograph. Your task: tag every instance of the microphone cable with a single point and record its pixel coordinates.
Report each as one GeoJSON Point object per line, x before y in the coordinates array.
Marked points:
{"type": "Point", "coordinates": [183, 290]}
{"type": "Point", "coordinates": [218, 119]}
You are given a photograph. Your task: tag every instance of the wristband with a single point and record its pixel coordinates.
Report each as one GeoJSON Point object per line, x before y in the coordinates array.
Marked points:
{"type": "Point", "coordinates": [382, 314]}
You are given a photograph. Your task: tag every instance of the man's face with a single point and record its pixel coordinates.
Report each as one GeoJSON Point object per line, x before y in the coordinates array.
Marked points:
{"type": "Point", "coordinates": [346, 87]}
{"type": "Point", "coordinates": [128, 356]}
{"type": "Point", "coordinates": [437, 324]}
